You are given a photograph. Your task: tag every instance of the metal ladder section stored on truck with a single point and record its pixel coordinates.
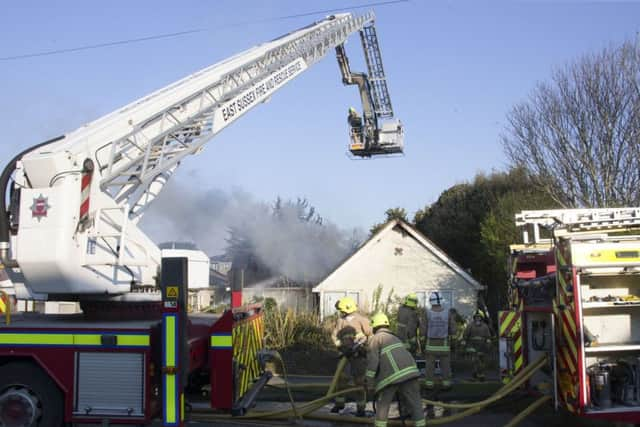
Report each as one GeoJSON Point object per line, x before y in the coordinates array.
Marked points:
{"type": "Point", "coordinates": [575, 294]}
{"type": "Point", "coordinates": [134, 351]}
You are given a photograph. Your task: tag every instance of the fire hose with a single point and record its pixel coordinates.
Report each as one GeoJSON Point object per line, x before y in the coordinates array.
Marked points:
{"type": "Point", "coordinates": [306, 410]}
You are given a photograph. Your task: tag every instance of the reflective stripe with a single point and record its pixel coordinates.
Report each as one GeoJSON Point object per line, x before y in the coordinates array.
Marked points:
{"type": "Point", "coordinates": [370, 374]}
{"type": "Point", "coordinates": [392, 361]}
{"type": "Point", "coordinates": [420, 423]}
{"type": "Point", "coordinates": [443, 348]}
{"type": "Point", "coordinates": [55, 339]}
{"type": "Point", "coordinates": [170, 400]}
{"type": "Point", "coordinates": [380, 423]}
{"type": "Point", "coordinates": [223, 341]}
{"type": "Point", "coordinates": [397, 375]}
{"type": "Point", "coordinates": [391, 347]}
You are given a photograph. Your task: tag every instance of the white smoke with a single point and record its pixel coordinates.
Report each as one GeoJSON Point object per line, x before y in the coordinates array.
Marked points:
{"type": "Point", "coordinates": [298, 249]}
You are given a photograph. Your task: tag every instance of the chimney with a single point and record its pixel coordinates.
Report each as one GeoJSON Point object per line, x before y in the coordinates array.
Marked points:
{"type": "Point", "coordinates": [237, 284]}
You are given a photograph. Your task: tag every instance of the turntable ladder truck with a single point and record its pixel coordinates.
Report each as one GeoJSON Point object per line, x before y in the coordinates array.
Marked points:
{"type": "Point", "coordinates": [69, 232]}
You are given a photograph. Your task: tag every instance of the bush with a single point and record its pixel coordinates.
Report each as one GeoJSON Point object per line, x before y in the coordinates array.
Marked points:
{"type": "Point", "coordinates": [288, 329]}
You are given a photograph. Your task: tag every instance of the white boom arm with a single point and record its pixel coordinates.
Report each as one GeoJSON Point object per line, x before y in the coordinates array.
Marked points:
{"type": "Point", "coordinates": [80, 198]}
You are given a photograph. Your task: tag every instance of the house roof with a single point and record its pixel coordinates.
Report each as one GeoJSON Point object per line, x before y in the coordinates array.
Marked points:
{"type": "Point", "coordinates": [420, 238]}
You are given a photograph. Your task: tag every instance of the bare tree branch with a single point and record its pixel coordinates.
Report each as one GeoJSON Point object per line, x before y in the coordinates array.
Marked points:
{"type": "Point", "coordinates": [578, 136]}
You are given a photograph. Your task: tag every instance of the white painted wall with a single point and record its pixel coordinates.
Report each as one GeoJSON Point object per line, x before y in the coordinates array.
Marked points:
{"type": "Point", "coordinates": [400, 264]}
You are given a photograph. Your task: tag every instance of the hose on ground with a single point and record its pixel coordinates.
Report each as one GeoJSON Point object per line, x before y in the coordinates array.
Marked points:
{"type": "Point", "coordinates": [535, 405]}
{"type": "Point", "coordinates": [286, 383]}
{"type": "Point", "coordinates": [516, 382]}
{"type": "Point", "coordinates": [302, 410]}
{"type": "Point", "coordinates": [306, 410]}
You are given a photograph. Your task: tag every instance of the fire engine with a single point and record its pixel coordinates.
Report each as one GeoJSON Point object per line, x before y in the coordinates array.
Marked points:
{"type": "Point", "coordinates": [70, 233]}
{"type": "Point", "coordinates": [575, 296]}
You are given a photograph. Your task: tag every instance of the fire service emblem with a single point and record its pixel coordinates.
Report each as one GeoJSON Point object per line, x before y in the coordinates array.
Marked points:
{"type": "Point", "coordinates": [40, 207]}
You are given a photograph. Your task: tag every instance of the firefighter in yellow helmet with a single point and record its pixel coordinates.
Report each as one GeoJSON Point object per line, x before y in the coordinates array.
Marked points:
{"type": "Point", "coordinates": [477, 338]}
{"type": "Point", "coordinates": [408, 322]}
{"type": "Point", "coordinates": [392, 370]}
{"type": "Point", "coordinates": [350, 337]}
{"type": "Point", "coordinates": [437, 330]}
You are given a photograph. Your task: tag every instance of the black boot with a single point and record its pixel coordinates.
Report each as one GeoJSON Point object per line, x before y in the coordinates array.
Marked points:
{"type": "Point", "coordinates": [336, 409]}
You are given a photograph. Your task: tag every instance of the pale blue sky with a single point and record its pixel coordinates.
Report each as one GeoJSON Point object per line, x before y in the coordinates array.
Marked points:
{"type": "Point", "coordinates": [455, 68]}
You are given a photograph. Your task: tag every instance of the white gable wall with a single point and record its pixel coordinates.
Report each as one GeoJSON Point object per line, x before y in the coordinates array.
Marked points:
{"type": "Point", "coordinates": [397, 261]}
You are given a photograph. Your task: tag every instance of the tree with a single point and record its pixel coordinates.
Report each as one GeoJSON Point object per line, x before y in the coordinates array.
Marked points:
{"type": "Point", "coordinates": [391, 214]}
{"type": "Point", "coordinates": [473, 223]}
{"type": "Point", "coordinates": [578, 136]}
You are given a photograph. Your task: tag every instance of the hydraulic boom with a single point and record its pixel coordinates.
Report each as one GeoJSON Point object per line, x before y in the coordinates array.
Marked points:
{"type": "Point", "coordinates": [71, 228]}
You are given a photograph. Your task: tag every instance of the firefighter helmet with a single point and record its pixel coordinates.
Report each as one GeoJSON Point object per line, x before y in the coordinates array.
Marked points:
{"type": "Point", "coordinates": [411, 300]}
{"type": "Point", "coordinates": [352, 110]}
{"type": "Point", "coordinates": [379, 320]}
{"type": "Point", "coordinates": [479, 314]}
{"type": "Point", "coordinates": [435, 298]}
{"type": "Point", "coordinates": [346, 305]}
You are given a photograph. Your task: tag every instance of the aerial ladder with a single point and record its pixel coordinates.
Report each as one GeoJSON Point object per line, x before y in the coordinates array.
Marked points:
{"type": "Point", "coordinates": [370, 136]}
{"type": "Point", "coordinates": [71, 229]}
{"type": "Point", "coordinates": [70, 233]}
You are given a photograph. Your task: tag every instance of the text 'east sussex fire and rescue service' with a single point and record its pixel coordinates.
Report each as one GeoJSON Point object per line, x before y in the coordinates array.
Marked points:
{"type": "Point", "coordinates": [231, 110]}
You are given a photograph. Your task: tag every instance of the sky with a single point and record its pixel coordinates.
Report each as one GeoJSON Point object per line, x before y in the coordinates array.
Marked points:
{"type": "Point", "coordinates": [454, 70]}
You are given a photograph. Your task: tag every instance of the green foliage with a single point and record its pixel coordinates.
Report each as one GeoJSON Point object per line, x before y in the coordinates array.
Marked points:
{"type": "Point", "coordinates": [388, 306]}
{"type": "Point", "coordinates": [288, 329]}
{"type": "Point", "coordinates": [474, 224]}
{"type": "Point", "coordinates": [390, 214]}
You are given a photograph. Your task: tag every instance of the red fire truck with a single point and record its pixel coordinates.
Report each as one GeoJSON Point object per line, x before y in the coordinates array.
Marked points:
{"type": "Point", "coordinates": [575, 295]}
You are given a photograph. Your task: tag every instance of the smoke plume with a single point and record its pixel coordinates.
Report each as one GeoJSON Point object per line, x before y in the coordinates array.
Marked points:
{"type": "Point", "coordinates": [287, 237]}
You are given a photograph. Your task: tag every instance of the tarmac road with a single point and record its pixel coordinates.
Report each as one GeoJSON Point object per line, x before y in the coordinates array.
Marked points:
{"type": "Point", "coordinates": [495, 415]}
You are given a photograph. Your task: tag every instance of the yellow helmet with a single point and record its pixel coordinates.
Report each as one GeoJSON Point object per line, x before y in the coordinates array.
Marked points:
{"type": "Point", "coordinates": [411, 300]}
{"type": "Point", "coordinates": [379, 319]}
{"type": "Point", "coordinates": [346, 305]}
{"type": "Point", "coordinates": [352, 110]}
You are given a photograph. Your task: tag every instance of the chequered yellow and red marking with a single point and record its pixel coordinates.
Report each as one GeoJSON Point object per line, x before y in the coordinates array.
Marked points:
{"type": "Point", "coordinates": [568, 344]}
{"type": "Point", "coordinates": [247, 337]}
{"type": "Point", "coordinates": [510, 326]}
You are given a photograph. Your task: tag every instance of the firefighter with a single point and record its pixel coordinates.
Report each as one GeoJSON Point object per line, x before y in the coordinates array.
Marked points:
{"type": "Point", "coordinates": [350, 337]}
{"type": "Point", "coordinates": [408, 322]}
{"type": "Point", "coordinates": [477, 338]}
{"type": "Point", "coordinates": [439, 327]}
{"type": "Point", "coordinates": [392, 370]}
{"type": "Point", "coordinates": [355, 121]}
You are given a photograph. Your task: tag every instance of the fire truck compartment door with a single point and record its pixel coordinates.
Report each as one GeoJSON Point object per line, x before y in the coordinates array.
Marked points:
{"type": "Point", "coordinates": [109, 384]}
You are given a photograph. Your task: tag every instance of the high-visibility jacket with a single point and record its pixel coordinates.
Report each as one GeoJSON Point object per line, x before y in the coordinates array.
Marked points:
{"type": "Point", "coordinates": [407, 323]}
{"type": "Point", "coordinates": [438, 327]}
{"type": "Point", "coordinates": [388, 361]}
{"type": "Point", "coordinates": [350, 328]}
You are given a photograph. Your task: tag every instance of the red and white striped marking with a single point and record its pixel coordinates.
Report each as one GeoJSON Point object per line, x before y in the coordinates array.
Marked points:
{"type": "Point", "coordinates": [85, 190]}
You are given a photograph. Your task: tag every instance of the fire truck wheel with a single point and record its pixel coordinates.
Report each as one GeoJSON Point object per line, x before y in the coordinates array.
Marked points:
{"type": "Point", "coordinates": [28, 397]}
